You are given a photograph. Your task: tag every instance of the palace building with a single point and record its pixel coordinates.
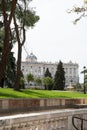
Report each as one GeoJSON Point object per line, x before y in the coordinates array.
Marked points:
{"type": "Point", "coordinates": [31, 65]}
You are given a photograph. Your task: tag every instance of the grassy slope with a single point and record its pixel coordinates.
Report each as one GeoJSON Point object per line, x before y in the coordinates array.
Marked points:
{"type": "Point", "coordinates": [27, 93]}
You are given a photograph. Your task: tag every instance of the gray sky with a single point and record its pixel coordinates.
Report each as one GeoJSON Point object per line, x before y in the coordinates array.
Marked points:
{"type": "Point", "coordinates": [55, 37]}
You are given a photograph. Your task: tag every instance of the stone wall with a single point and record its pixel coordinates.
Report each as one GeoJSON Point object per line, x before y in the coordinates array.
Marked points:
{"type": "Point", "coordinates": [48, 120]}
{"type": "Point", "coordinates": [22, 105]}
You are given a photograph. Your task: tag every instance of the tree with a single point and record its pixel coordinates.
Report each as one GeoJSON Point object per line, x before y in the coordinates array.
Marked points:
{"type": "Point", "coordinates": [47, 73]}
{"type": "Point", "coordinates": [6, 13]}
{"type": "Point", "coordinates": [26, 18]}
{"type": "Point", "coordinates": [59, 79]}
{"type": "Point", "coordinates": [77, 87]}
{"type": "Point", "coordinates": [30, 77]}
{"type": "Point", "coordinates": [47, 82]}
{"type": "Point", "coordinates": [9, 74]}
{"type": "Point", "coordinates": [22, 83]}
{"type": "Point", "coordinates": [23, 17]}
{"type": "Point", "coordinates": [38, 81]}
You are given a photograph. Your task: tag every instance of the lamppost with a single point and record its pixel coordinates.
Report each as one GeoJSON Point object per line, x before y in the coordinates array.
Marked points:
{"type": "Point", "coordinates": [84, 68]}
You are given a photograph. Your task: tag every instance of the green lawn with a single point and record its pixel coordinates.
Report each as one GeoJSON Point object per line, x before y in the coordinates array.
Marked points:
{"type": "Point", "coordinates": [27, 93]}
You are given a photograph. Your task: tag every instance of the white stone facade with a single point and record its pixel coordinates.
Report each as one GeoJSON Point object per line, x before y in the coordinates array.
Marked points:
{"type": "Point", "coordinates": [31, 65]}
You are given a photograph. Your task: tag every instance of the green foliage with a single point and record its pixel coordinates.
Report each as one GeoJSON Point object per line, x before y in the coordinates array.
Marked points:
{"type": "Point", "coordinates": [38, 81]}
{"type": "Point", "coordinates": [47, 82]}
{"type": "Point", "coordinates": [30, 77]}
{"type": "Point", "coordinates": [10, 70]}
{"type": "Point", "coordinates": [7, 7]}
{"type": "Point", "coordinates": [59, 79]}
{"type": "Point", "coordinates": [22, 83]}
{"type": "Point", "coordinates": [9, 75]}
{"type": "Point", "coordinates": [47, 73]}
{"type": "Point", "coordinates": [77, 87]}
{"type": "Point", "coordinates": [1, 24]}
{"type": "Point", "coordinates": [23, 17]}
{"type": "Point", "coordinates": [21, 80]}
{"type": "Point", "coordinates": [28, 17]}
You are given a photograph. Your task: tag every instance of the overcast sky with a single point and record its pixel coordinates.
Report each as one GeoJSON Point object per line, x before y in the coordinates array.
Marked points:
{"type": "Point", "coordinates": [55, 37]}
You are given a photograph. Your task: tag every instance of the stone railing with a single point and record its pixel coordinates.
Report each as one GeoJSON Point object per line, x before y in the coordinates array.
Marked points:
{"type": "Point", "coordinates": [48, 120]}
{"type": "Point", "coordinates": [22, 105]}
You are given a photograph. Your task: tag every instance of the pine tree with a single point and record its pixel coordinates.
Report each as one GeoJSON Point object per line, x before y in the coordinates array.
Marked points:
{"type": "Point", "coordinates": [59, 79]}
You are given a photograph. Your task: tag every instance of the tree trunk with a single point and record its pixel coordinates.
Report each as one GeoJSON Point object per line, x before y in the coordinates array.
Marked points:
{"type": "Point", "coordinates": [18, 74]}
{"type": "Point", "coordinates": [20, 44]}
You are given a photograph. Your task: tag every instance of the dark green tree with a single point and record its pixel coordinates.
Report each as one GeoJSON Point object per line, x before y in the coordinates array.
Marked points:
{"type": "Point", "coordinates": [9, 74]}
{"type": "Point", "coordinates": [47, 73]}
{"type": "Point", "coordinates": [7, 9]}
{"type": "Point", "coordinates": [59, 79]}
{"type": "Point", "coordinates": [23, 16]}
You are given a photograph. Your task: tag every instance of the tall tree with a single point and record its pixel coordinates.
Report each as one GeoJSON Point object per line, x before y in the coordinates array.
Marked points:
{"type": "Point", "coordinates": [6, 15]}
{"type": "Point", "coordinates": [26, 18]}
{"type": "Point", "coordinates": [22, 16]}
{"type": "Point", "coordinates": [59, 79]}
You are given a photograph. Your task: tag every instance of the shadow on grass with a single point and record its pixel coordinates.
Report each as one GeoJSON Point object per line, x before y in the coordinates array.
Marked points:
{"type": "Point", "coordinates": [42, 95]}
{"type": "Point", "coordinates": [28, 93]}
{"type": "Point", "coordinates": [9, 95]}
{"type": "Point", "coordinates": [23, 94]}
{"type": "Point", "coordinates": [35, 94]}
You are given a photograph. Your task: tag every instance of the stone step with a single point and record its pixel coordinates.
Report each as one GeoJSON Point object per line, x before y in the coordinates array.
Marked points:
{"type": "Point", "coordinates": [80, 105]}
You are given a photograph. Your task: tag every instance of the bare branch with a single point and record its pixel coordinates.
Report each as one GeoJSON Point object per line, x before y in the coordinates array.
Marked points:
{"type": "Point", "coordinates": [79, 10]}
